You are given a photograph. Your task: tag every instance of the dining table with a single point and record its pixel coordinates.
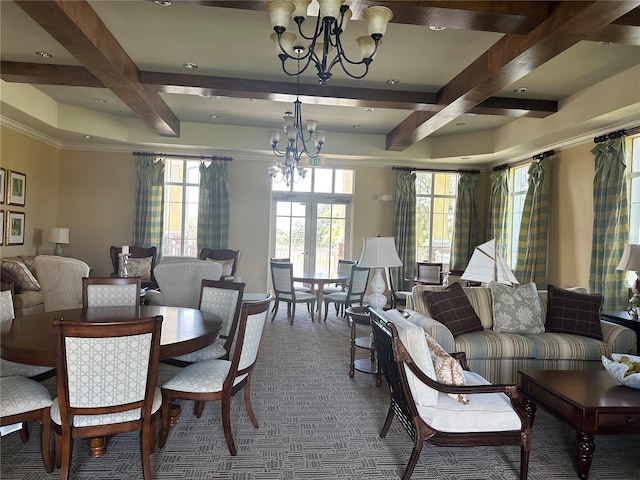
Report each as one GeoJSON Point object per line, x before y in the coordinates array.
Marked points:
{"type": "Point", "coordinates": [318, 282]}
{"type": "Point", "coordinates": [30, 339]}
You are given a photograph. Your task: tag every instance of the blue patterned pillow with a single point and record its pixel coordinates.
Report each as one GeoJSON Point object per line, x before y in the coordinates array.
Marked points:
{"type": "Point", "coordinates": [516, 309]}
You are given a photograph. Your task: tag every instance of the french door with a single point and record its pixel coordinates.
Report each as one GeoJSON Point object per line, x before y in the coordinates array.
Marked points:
{"type": "Point", "coordinates": [313, 231]}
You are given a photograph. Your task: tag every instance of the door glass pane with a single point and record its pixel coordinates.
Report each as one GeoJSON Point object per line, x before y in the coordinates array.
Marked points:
{"type": "Point", "coordinates": [291, 232]}
{"type": "Point", "coordinates": [322, 180]}
{"type": "Point", "coordinates": [330, 236]}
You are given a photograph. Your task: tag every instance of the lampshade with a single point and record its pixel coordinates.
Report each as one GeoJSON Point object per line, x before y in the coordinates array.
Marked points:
{"type": "Point", "coordinates": [379, 252]}
{"type": "Point", "coordinates": [630, 258]}
{"type": "Point", "coordinates": [59, 235]}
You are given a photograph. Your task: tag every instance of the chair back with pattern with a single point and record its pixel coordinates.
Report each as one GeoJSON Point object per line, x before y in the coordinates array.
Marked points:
{"type": "Point", "coordinates": [358, 282]}
{"type": "Point", "coordinates": [429, 273]}
{"type": "Point", "coordinates": [6, 301]}
{"type": "Point", "coordinates": [60, 280]}
{"type": "Point", "coordinates": [282, 278]}
{"type": "Point", "coordinates": [110, 291]}
{"type": "Point", "coordinates": [223, 299]}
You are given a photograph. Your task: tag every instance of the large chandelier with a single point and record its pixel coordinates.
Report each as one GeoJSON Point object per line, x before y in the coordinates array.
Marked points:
{"type": "Point", "coordinates": [330, 25]}
{"type": "Point", "coordinates": [298, 143]}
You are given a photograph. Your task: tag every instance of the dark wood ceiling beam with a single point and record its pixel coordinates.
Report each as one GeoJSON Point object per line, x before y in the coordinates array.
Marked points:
{"type": "Point", "coordinates": [75, 25]}
{"type": "Point", "coordinates": [48, 74]}
{"type": "Point", "coordinates": [508, 60]}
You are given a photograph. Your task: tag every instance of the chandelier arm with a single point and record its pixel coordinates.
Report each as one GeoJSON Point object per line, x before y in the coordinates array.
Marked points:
{"type": "Point", "coordinates": [317, 29]}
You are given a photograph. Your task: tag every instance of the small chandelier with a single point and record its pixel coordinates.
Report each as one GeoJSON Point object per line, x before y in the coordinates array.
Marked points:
{"type": "Point", "coordinates": [330, 25]}
{"type": "Point", "coordinates": [288, 169]}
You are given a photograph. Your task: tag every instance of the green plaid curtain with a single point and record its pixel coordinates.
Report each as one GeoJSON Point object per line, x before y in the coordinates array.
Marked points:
{"type": "Point", "coordinates": [533, 239]}
{"type": "Point", "coordinates": [497, 225]}
{"type": "Point", "coordinates": [149, 208]}
{"type": "Point", "coordinates": [465, 227]}
{"type": "Point", "coordinates": [404, 227]}
{"type": "Point", "coordinates": [213, 206]}
{"type": "Point", "coordinates": [610, 223]}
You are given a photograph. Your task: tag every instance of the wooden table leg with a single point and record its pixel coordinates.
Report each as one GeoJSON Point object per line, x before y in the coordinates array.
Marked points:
{"type": "Point", "coordinates": [585, 446]}
{"type": "Point", "coordinates": [98, 446]}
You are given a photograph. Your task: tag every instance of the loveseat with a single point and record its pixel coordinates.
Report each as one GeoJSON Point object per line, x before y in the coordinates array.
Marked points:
{"type": "Point", "coordinates": [28, 298]}
{"type": "Point", "coordinates": [497, 352]}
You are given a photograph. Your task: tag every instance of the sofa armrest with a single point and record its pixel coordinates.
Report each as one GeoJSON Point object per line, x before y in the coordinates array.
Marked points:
{"type": "Point", "coordinates": [437, 330]}
{"type": "Point", "coordinates": [154, 297]}
{"type": "Point", "coordinates": [621, 339]}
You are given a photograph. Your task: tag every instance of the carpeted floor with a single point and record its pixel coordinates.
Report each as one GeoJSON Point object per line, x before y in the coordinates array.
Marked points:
{"type": "Point", "coordinates": [317, 424]}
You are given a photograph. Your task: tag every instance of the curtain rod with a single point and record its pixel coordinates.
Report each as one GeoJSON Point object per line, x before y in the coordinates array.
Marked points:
{"type": "Point", "coordinates": [172, 155]}
{"type": "Point", "coordinates": [538, 156]}
{"type": "Point", "coordinates": [616, 134]}
{"type": "Point", "coordinates": [414, 169]}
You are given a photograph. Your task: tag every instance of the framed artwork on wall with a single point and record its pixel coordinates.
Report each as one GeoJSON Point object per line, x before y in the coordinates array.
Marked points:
{"type": "Point", "coordinates": [1, 227]}
{"type": "Point", "coordinates": [16, 188]}
{"type": "Point", "coordinates": [14, 228]}
{"type": "Point", "coordinates": [3, 184]}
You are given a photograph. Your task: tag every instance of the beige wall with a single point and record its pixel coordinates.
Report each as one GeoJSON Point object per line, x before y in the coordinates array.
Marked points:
{"type": "Point", "coordinates": [92, 193]}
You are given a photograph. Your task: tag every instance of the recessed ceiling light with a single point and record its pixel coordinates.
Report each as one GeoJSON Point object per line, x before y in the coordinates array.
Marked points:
{"type": "Point", "coordinates": [87, 137]}
{"type": "Point", "coordinates": [604, 44]}
{"type": "Point", "coordinates": [162, 3]}
{"type": "Point", "coordinates": [393, 81]}
{"type": "Point", "coordinates": [520, 90]}
{"type": "Point", "coordinates": [44, 54]}
{"type": "Point", "coordinates": [214, 116]}
{"type": "Point", "coordinates": [100, 100]}
{"type": "Point", "coordinates": [356, 126]}
{"type": "Point", "coordinates": [190, 65]}
{"type": "Point", "coordinates": [461, 124]}
{"type": "Point", "coordinates": [205, 95]}
{"type": "Point", "coordinates": [465, 158]}
{"type": "Point", "coordinates": [369, 109]}
{"type": "Point", "coordinates": [437, 28]}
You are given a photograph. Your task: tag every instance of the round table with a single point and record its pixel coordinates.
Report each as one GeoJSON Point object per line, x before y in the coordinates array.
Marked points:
{"type": "Point", "coordinates": [30, 339]}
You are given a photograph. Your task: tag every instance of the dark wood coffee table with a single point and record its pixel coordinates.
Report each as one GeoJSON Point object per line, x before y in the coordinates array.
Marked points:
{"type": "Point", "coordinates": [591, 401]}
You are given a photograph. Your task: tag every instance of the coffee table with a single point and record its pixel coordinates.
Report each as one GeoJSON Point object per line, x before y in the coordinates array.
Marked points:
{"type": "Point", "coordinates": [590, 401]}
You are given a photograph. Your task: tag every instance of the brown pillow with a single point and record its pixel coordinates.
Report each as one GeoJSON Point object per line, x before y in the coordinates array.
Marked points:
{"type": "Point", "coordinates": [575, 313]}
{"type": "Point", "coordinates": [451, 307]}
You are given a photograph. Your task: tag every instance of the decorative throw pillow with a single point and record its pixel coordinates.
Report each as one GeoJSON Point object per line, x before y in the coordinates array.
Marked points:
{"type": "Point", "coordinates": [516, 309]}
{"type": "Point", "coordinates": [28, 260]}
{"type": "Point", "coordinates": [447, 368]}
{"type": "Point", "coordinates": [17, 272]}
{"type": "Point", "coordinates": [138, 267]}
{"type": "Point", "coordinates": [452, 308]}
{"type": "Point", "coordinates": [576, 313]}
{"type": "Point", "coordinates": [227, 267]}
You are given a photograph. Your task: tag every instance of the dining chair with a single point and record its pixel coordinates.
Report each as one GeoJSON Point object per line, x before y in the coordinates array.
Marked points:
{"type": "Point", "coordinates": [23, 400]}
{"type": "Point", "coordinates": [145, 256]}
{"type": "Point", "coordinates": [211, 380]}
{"type": "Point", "coordinates": [60, 279]}
{"type": "Point", "coordinates": [398, 297]}
{"type": "Point", "coordinates": [429, 273]}
{"type": "Point", "coordinates": [8, 368]}
{"type": "Point", "coordinates": [358, 282]}
{"type": "Point", "coordinates": [282, 278]}
{"type": "Point", "coordinates": [110, 291]}
{"type": "Point", "coordinates": [223, 299]}
{"type": "Point", "coordinates": [229, 259]}
{"type": "Point", "coordinates": [107, 374]}
{"type": "Point", "coordinates": [296, 285]}
{"type": "Point", "coordinates": [344, 268]}
{"type": "Point", "coordinates": [180, 282]}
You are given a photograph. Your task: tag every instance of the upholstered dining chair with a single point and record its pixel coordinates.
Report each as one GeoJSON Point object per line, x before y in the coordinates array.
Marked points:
{"type": "Point", "coordinates": [428, 273]}
{"type": "Point", "coordinates": [282, 278]}
{"type": "Point", "coordinates": [8, 368]}
{"type": "Point", "coordinates": [229, 259]}
{"type": "Point", "coordinates": [180, 281]}
{"type": "Point", "coordinates": [110, 291]}
{"type": "Point", "coordinates": [118, 354]}
{"type": "Point", "coordinates": [223, 299]}
{"type": "Point", "coordinates": [398, 297]}
{"type": "Point", "coordinates": [297, 286]}
{"type": "Point", "coordinates": [141, 260]}
{"type": "Point", "coordinates": [354, 294]}
{"type": "Point", "coordinates": [344, 268]}
{"type": "Point", "coordinates": [23, 400]}
{"type": "Point", "coordinates": [60, 279]}
{"type": "Point", "coordinates": [211, 380]}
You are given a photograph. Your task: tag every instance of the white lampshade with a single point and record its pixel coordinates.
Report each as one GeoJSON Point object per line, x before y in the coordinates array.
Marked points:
{"type": "Point", "coordinates": [379, 252]}
{"type": "Point", "coordinates": [630, 260]}
{"type": "Point", "coordinates": [59, 235]}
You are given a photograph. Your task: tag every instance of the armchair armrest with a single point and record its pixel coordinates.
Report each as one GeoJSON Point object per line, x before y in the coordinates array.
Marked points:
{"type": "Point", "coordinates": [461, 357]}
{"type": "Point", "coordinates": [436, 329]}
{"type": "Point", "coordinates": [154, 297]}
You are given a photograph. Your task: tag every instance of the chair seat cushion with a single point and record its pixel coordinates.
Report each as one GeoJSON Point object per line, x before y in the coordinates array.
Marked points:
{"type": "Point", "coordinates": [212, 352]}
{"type": "Point", "coordinates": [28, 298]}
{"type": "Point", "coordinates": [106, 419]}
{"type": "Point", "coordinates": [300, 297]}
{"type": "Point", "coordinates": [21, 394]}
{"type": "Point", "coordinates": [8, 369]}
{"type": "Point", "coordinates": [329, 290]}
{"type": "Point", "coordinates": [486, 412]}
{"type": "Point", "coordinates": [202, 377]}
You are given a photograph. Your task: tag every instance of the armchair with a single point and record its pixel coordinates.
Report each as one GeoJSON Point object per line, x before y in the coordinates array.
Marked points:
{"type": "Point", "coordinates": [146, 255]}
{"type": "Point", "coordinates": [61, 281]}
{"type": "Point", "coordinates": [180, 282]}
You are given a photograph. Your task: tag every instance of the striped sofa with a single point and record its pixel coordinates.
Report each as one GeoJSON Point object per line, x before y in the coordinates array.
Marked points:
{"type": "Point", "coordinates": [499, 356]}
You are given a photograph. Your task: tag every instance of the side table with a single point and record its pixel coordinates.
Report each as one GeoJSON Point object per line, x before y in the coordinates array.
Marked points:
{"type": "Point", "coordinates": [360, 316]}
{"type": "Point", "coordinates": [623, 318]}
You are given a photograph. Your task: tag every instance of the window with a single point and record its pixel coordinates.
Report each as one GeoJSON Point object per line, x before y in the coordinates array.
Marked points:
{"type": "Point", "coordinates": [435, 205]}
{"type": "Point", "coordinates": [633, 166]}
{"type": "Point", "coordinates": [518, 186]}
{"type": "Point", "coordinates": [182, 185]}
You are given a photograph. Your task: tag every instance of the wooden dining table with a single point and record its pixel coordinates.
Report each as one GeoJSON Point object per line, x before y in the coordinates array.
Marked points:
{"type": "Point", "coordinates": [318, 282]}
{"type": "Point", "coordinates": [31, 340]}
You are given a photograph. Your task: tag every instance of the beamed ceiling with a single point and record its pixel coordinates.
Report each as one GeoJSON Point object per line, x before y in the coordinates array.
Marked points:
{"type": "Point", "coordinates": [455, 98]}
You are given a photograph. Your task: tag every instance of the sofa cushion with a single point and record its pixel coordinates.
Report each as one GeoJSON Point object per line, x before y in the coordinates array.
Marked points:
{"type": "Point", "coordinates": [516, 309]}
{"type": "Point", "coordinates": [494, 345]}
{"type": "Point", "coordinates": [17, 272]}
{"type": "Point", "coordinates": [452, 308]}
{"type": "Point", "coordinates": [27, 299]}
{"type": "Point", "coordinates": [566, 346]}
{"type": "Point", "coordinates": [575, 313]}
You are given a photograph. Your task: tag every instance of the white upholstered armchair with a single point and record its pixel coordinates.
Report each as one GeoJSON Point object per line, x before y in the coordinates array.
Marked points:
{"type": "Point", "coordinates": [61, 281]}
{"type": "Point", "coordinates": [180, 282]}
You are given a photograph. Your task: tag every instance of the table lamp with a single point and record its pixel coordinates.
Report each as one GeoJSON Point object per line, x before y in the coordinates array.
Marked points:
{"type": "Point", "coordinates": [379, 253]}
{"type": "Point", "coordinates": [59, 236]}
{"type": "Point", "coordinates": [630, 261]}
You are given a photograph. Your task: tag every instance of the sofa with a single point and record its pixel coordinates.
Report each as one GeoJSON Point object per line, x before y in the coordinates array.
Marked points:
{"type": "Point", "coordinates": [498, 353]}
{"type": "Point", "coordinates": [28, 298]}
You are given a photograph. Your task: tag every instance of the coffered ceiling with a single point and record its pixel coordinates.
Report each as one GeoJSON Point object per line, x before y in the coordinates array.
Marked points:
{"type": "Point", "coordinates": [120, 64]}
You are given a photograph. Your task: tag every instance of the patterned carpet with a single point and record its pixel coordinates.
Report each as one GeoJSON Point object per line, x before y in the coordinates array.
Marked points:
{"type": "Point", "coordinates": [318, 424]}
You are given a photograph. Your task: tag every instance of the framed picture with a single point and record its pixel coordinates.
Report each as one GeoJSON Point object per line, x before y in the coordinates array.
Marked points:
{"type": "Point", "coordinates": [14, 228]}
{"type": "Point", "coordinates": [1, 227]}
{"type": "Point", "coordinates": [16, 188]}
{"type": "Point", "coordinates": [3, 184]}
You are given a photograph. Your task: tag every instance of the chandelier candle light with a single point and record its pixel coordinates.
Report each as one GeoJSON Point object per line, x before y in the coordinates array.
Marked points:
{"type": "Point", "coordinates": [327, 36]}
{"type": "Point", "coordinates": [379, 253]}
